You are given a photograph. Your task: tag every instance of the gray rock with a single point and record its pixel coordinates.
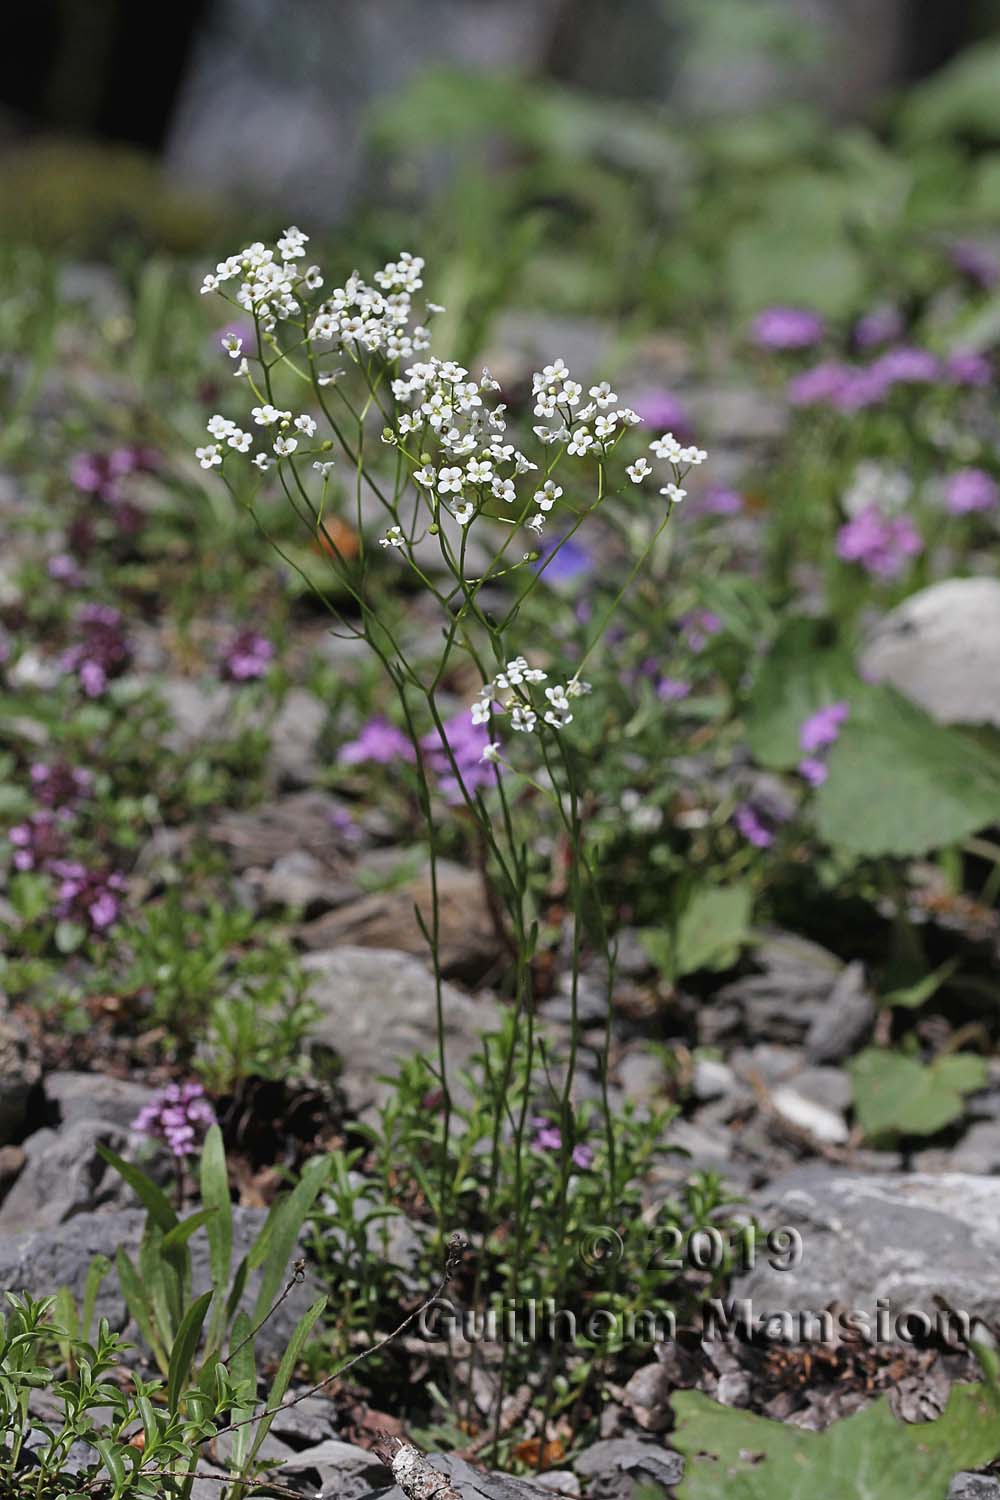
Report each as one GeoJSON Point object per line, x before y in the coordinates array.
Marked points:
{"type": "Point", "coordinates": [474, 1484]}
{"type": "Point", "coordinates": [42, 1261]}
{"type": "Point", "coordinates": [559, 1482]}
{"type": "Point", "coordinates": [844, 1020]}
{"type": "Point", "coordinates": [64, 1175]}
{"type": "Point", "coordinates": [906, 1238]}
{"type": "Point", "coordinates": [334, 1468]}
{"type": "Point", "coordinates": [305, 1422]}
{"type": "Point", "coordinates": [295, 739]}
{"type": "Point", "coordinates": [19, 1072]}
{"type": "Point", "coordinates": [96, 1096]}
{"type": "Point", "coordinates": [795, 1106]}
{"type": "Point", "coordinates": [784, 1001]}
{"type": "Point", "coordinates": [978, 1151]}
{"type": "Point", "coordinates": [641, 1076]}
{"type": "Point", "coordinates": [379, 1005]}
{"type": "Point", "coordinates": [301, 822]}
{"type": "Point", "coordinates": [974, 1487]}
{"type": "Point", "coordinates": [615, 1468]}
{"type": "Point", "coordinates": [199, 711]}
{"type": "Point", "coordinates": [939, 648]}
{"type": "Point", "coordinates": [468, 943]}
{"type": "Point", "coordinates": [301, 880]}
{"type": "Point", "coordinates": [711, 1079]}
{"type": "Point", "coordinates": [647, 1395]}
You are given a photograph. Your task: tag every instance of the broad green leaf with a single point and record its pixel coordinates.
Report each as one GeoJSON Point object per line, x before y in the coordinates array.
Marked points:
{"type": "Point", "coordinates": [801, 673]}
{"type": "Point", "coordinates": [895, 1094]}
{"type": "Point", "coordinates": [901, 784]}
{"type": "Point", "coordinates": [733, 1455]}
{"type": "Point", "coordinates": [182, 1232]}
{"type": "Point", "coordinates": [185, 1345]}
{"type": "Point", "coordinates": [713, 927]}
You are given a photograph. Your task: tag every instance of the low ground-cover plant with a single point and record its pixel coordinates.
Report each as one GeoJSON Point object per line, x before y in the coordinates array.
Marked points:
{"type": "Point", "coordinates": [203, 1346]}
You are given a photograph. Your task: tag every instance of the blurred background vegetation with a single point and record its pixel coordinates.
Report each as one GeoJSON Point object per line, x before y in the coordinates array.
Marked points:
{"type": "Point", "coordinates": [655, 161]}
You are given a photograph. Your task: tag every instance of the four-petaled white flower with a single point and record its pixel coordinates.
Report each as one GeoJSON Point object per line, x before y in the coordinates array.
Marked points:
{"type": "Point", "coordinates": [208, 456]}
{"type": "Point", "coordinates": [263, 461]}
{"type": "Point", "coordinates": [674, 493]}
{"type": "Point", "coordinates": [581, 442]}
{"type": "Point", "coordinates": [285, 446]}
{"type": "Point", "coordinates": [393, 538]}
{"type": "Point", "coordinates": [306, 425]}
{"type": "Point", "coordinates": [239, 440]}
{"type": "Point", "coordinates": [479, 470]}
{"type": "Point", "coordinates": [463, 513]}
{"type": "Point", "coordinates": [233, 344]}
{"type": "Point", "coordinates": [547, 496]}
{"type": "Point", "coordinates": [266, 415]}
{"type": "Point", "coordinates": [449, 481]}
{"type": "Point", "coordinates": [220, 427]}
{"type": "Point", "coordinates": [639, 471]}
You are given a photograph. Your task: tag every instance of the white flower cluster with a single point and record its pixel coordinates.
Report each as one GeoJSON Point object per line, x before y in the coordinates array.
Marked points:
{"type": "Point", "coordinates": [375, 319]}
{"type": "Point", "coordinates": [449, 408]}
{"type": "Point", "coordinates": [227, 434]}
{"type": "Point", "coordinates": [508, 693]}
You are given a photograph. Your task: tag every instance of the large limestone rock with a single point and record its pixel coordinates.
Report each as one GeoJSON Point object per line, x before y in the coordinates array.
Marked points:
{"type": "Point", "coordinates": [941, 648]}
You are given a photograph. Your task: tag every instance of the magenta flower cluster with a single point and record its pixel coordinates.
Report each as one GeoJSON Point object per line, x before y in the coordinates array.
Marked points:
{"type": "Point", "coordinates": [102, 651]}
{"type": "Point", "coordinates": [969, 490]}
{"type": "Point", "coordinates": [381, 743]}
{"type": "Point", "coordinates": [92, 897]}
{"type": "Point", "coordinates": [787, 328]}
{"type": "Point", "coordinates": [847, 388]}
{"type": "Point", "coordinates": [816, 735]}
{"type": "Point", "coordinates": [881, 544]}
{"type": "Point", "coordinates": [180, 1118]}
{"type": "Point", "coordinates": [247, 657]}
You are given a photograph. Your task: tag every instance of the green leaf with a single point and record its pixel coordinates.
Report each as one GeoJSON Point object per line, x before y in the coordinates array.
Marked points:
{"type": "Point", "coordinates": [277, 1239]}
{"type": "Point", "coordinates": [895, 1094]}
{"type": "Point", "coordinates": [134, 1292]}
{"type": "Point", "coordinates": [921, 990]}
{"type": "Point", "coordinates": [69, 936]}
{"type": "Point", "coordinates": [713, 927]}
{"type": "Point", "coordinates": [155, 1202]}
{"type": "Point", "coordinates": [185, 1345]}
{"type": "Point", "coordinates": [182, 1232]}
{"type": "Point", "coordinates": [112, 1460]}
{"type": "Point", "coordinates": [243, 1370]}
{"type": "Point", "coordinates": [733, 1455]}
{"type": "Point", "coordinates": [286, 1370]}
{"type": "Point", "coordinates": [901, 784]}
{"type": "Point", "coordinates": [215, 1195]}
{"type": "Point", "coordinates": [96, 1272]}
{"type": "Point", "coordinates": [801, 673]}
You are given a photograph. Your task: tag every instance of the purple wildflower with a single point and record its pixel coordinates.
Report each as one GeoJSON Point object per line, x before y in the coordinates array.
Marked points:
{"type": "Point", "coordinates": [813, 770]}
{"type": "Point", "coordinates": [750, 824]}
{"type": "Point", "coordinates": [37, 841]}
{"type": "Point", "coordinates": [562, 560]}
{"type": "Point", "coordinates": [89, 896]}
{"type": "Point", "coordinates": [787, 328]}
{"type": "Point", "coordinates": [246, 657]}
{"type": "Point", "coordinates": [975, 262]}
{"type": "Point", "coordinates": [965, 367]}
{"type": "Point", "coordinates": [102, 651]}
{"type": "Point", "coordinates": [63, 568]}
{"type": "Point", "coordinates": [180, 1117]}
{"type": "Point", "coordinates": [99, 473]}
{"type": "Point", "coordinates": [379, 741]}
{"type": "Point", "coordinates": [906, 365]}
{"type": "Point", "coordinates": [970, 489]}
{"type": "Point", "coordinates": [716, 501]}
{"type": "Point", "coordinates": [822, 385]}
{"type": "Point", "coordinates": [697, 627]}
{"type": "Point", "coordinates": [466, 741]}
{"type": "Point", "coordinates": [548, 1137]}
{"type": "Point", "coordinates": [672, 689]}
{"type": "Point", "coordinates": [880, 326]}
{"type": "Point", "coordinates": [341, 820]}
{"type": "Point", "coordinates": [821, 729]}
{"type": "Point", "coordinates": [881, 544]}
{"type": "Point", "coordinates": [59, 786]}
{"type": "Point", "coordinates": [658, 408]}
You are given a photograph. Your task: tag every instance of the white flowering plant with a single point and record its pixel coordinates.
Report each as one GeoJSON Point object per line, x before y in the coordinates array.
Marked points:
{"type": "Point", "coordinates": [348, 412]}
